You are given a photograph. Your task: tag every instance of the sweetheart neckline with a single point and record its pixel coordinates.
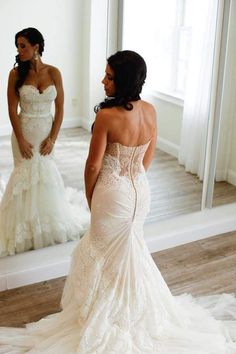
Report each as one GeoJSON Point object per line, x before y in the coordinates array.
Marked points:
{"type": "Point", "coordinates": [36, 88]}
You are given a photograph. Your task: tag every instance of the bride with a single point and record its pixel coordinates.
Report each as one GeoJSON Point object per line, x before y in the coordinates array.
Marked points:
{"type": "Point", "coordinates": [115, 300]}
{"type": "Point", "coordinates": [34, 211]}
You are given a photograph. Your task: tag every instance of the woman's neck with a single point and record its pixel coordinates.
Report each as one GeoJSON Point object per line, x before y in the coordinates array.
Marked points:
{"type": "Point", "coordinates": [37, 65]}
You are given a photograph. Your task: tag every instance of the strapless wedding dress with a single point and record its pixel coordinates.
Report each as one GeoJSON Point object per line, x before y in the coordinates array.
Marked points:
{"type": "Point", "coordinates": [35, 211]}
{"type": "Point", "coordinates": [115, 300]}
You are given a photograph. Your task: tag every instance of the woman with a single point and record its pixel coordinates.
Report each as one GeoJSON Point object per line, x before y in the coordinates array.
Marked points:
{"type": "Point", "coordinates": [115, 300]}
{"type": "Point", "coordinates": [34, 211]}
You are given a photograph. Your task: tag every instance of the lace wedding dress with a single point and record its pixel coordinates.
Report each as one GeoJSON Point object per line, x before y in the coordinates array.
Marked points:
{"type": "Point", "coordinates": [115, 300]}
{"type": "Point", "coordinates": [35, 211]}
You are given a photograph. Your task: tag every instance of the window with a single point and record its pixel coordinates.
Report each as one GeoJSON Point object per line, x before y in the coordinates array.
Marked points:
{"type": "Point", "coordinates": [161, 31]}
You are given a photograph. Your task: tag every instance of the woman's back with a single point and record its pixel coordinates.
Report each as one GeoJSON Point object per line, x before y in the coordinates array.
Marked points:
{"type": "Point", "coordinates": [131, 128]}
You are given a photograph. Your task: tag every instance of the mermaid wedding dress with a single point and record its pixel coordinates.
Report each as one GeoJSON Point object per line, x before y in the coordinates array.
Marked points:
{"type": "Point", "coordinates": [115, 300]}
{"type": "Point", "coordinates": [35, 211]}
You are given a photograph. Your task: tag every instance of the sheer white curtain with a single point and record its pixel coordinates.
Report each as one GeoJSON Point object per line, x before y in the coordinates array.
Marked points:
{"type": "Point", "coordinates": [198, 87]}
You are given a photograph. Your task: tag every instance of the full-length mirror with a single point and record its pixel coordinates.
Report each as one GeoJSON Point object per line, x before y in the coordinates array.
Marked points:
{"type": "Point", "coordinates": [177, 42]}
{"type": "Point", "coordinates": [225, 176]}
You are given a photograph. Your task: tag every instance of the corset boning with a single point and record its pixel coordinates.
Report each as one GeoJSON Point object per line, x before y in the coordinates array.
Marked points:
{"type": "Point", "coordinates": [122, 163]}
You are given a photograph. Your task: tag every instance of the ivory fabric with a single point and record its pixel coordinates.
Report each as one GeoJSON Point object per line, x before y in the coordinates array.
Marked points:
{"type": "Point", "coordinates": [35, 210]}
{"type": "Point", "coordinates": [115, 300]}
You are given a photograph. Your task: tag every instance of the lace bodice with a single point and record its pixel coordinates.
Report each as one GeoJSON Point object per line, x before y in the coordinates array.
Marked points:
{"type": "Point", "coordinates": [35, 116]}
{"type": "Point", "coordinates": [121, 162]}
{"type": "Point", "coordinates": [129, 159]}
{"type": "Point", "coordinates": [36, 104]}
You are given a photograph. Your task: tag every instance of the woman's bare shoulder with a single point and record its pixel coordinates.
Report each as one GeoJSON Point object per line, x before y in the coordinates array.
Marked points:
{"type": "Point", "coordinates": [53, 71]}
{"type": "Point", "coordinates": [13, 74]}
{"type": "Point", "coordinates": [12, 78]}
{"type": "Point", "coordinates": [148, 106]}
{"type": "Point", "coordinates": [106, 117]}
{"type": "Point", "coordinates": [103, 115]}
{"type": "Point", "coordinates": [55, 74]}
{"type": "Point", "coordinates": [106, 113]}
{"type": "Point", "coordinates": [149, 112]}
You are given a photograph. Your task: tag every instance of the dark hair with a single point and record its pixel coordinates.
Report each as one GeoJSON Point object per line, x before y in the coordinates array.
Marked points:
{"type": "Point", "coordinates": [34, 37]}
{"type": "Point", "coordinates": [130, 72]}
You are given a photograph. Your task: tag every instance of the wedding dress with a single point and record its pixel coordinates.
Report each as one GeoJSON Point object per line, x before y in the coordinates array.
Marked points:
{"type": "Point", "coordinates": [115, 300]}
{"type": "Point", "coordinates": [35, 211]}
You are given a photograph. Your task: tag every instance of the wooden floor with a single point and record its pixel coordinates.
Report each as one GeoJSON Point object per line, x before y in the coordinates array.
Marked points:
{"type": "Point", "coordinates": [200, 268]}
{"type": "Point", "coordinates": [174, 191]}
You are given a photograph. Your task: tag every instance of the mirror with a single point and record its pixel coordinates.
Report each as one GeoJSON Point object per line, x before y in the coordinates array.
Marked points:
{"type": "Point", "coordinates": [225, 176]}
{"type": "Point", "coordinates": [71, 37]}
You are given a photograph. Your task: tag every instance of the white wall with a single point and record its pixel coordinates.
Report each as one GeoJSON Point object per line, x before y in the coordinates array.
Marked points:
{"type": "Point", "coordinates": [60, 22]}
{"type": "Point", "coordinates": [99, 41]}
{"type": "Point", "coordinates": [94, 48]}
{"type": "Point", "coordinates": [169, 122]}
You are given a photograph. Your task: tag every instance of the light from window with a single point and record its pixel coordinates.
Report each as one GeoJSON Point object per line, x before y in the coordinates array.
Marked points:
{"type": "Point", "coordinates": [161, 31]}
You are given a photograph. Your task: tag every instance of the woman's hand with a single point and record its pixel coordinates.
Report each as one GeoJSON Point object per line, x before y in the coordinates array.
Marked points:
{"type": "Point", "coordinates": [25, 148]}
{"type": "Point", "coordinates": [46, 146]}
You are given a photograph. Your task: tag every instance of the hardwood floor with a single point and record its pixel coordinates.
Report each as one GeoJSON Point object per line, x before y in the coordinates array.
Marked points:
{"type": "Point", "coordinates": [203, 267]}
{"type": "Point", "coordinates": [200, 268]}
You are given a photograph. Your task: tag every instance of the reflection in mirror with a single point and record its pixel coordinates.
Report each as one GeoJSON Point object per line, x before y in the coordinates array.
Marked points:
{"type": "Point", "coordinates": [169, 50]}
{"type": "Point", "coordinates": [176, 38]}
{"type": "Point", "coordinates": [70, 164]}
{"type": "Point", "coordinates": [35, 204]}
{"type": "Point", "coordinates": [225, 177]}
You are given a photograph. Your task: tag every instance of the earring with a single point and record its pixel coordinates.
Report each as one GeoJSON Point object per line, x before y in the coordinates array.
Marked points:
{"type": "Point", "coordinates": [36, 56]}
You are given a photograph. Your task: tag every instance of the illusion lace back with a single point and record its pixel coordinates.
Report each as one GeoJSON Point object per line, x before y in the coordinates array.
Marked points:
{"type": "Point", "coordinates": [34, 211]}
{"type": "Point", "coordinates": [115, 300]}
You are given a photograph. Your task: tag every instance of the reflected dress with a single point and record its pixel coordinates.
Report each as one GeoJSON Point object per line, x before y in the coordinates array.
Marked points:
{"type": "Point", "coordinates": [115, 300]}
{"type": "Point", "coordinates": [35, 211]}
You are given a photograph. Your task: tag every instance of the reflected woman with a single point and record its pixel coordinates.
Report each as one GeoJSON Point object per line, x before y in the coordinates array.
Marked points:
{"type": "Point", "coordinates": [34, 211]}
{"type": "Point", "coordinates": [115, 299]}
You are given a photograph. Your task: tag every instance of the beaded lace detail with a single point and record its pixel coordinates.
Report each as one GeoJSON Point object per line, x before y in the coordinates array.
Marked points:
{"type": "Point", "coordinates": [36, 104]}
{"type": "Point", "coordinates": [122, 163]}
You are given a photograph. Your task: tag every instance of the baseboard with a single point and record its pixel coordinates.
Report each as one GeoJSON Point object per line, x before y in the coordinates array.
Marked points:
{"type": "Point", "coordinates": [191, 227]}
{"type": "Point", "coordinates": [35, 266]}
{"type": "Point", "coordinates": [52, 262]}
{"type": "Point", "coordinates": [71, 122]}
{"type": "Point", "coordinates": [168, 147]}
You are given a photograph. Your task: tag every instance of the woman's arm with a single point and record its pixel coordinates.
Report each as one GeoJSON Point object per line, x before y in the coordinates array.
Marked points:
{"type": "Point", "coordinates": [152, 146]}
{"type": "Point", "coordinates": [96, 152]}
{"type": "Point", "coordinates": [47, 145]}
{"type": "Point", "coordinates": [13, 100]}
